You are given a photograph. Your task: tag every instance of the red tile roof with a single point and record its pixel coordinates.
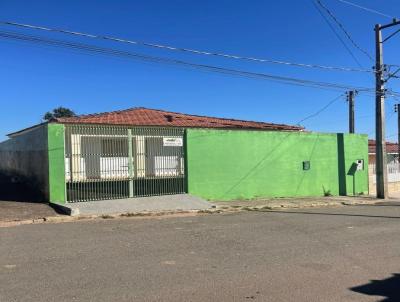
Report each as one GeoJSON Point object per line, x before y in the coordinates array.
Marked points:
{"type": "Point", "coordinates": [390, 147]}
{"type": "Point", "coordinates": [152, 117]}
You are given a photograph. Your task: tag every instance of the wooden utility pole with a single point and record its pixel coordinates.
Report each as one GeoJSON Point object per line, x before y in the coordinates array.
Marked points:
{"type": "Point", "coordinates": [380, 151]}
{"type": "Point", "coordinates": [350, 100]}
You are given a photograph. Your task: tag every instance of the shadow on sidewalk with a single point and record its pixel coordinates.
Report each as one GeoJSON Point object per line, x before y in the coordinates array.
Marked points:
{"type": "Point", "coordinates": [388, 288]}
{"type": "Point", "coordinates": [18, 191]}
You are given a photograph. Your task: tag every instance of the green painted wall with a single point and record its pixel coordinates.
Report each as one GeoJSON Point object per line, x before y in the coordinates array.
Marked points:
{"type": "Point", "coordinates": [226, 165]}
{"type": "Point", "coordinates": [56, 163]}
{"type": "Point", "coordinates": [356, 147]}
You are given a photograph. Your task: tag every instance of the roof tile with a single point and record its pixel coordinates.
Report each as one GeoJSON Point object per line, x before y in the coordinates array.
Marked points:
{"type": "Point", "coordinates": [390, 147]}
{"type": "Point", "coordinates": [152, 117]}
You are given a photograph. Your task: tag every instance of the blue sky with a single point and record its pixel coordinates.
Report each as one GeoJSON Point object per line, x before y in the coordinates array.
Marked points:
{"type": "Point", "coordinates": [36, 79]}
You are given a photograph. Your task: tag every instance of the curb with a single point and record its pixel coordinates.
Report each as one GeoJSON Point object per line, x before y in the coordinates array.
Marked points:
{"type": "Point", "coordinates": [136, 215]}
{"type": "Point", "coordinates": [75, 216]}
{"type": "Point", "coordinates": [277, 206]}
{"type": "Point", "coordinates": [50, 219]}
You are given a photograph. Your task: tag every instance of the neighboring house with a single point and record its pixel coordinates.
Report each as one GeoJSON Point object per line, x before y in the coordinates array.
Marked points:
{"type": "Point", "coordinates": [392, 151]}
{"type": "Point", "coordinates": [393, 166]}
{"type": "Point", "coordinates": [145, 152]}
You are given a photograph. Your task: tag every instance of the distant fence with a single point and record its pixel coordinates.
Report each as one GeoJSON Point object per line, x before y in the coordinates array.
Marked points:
{"type": "Point", "coordinates": [393, 169]}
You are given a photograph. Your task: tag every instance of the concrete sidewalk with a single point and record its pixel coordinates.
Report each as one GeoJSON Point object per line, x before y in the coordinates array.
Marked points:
{"type": "Point", "coordinates": [300, 202]}
{"type": "Point", "coordinates": [29, 212]}
{"type": "Point", "coordinates": [179, 202]}
{"type": "Point", "coordinates": [17, 211]}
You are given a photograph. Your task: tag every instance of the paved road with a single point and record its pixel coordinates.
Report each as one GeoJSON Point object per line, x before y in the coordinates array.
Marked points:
{"type": "Point", "coordinates": [303, 255]}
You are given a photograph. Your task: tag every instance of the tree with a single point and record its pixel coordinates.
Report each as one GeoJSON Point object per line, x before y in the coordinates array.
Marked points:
{"type": "Point", "coordinates": [58, 112]}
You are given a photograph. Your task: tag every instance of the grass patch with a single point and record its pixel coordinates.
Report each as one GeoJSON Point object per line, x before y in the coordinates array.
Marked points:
{"type": "Point", "coordinates": [327, 193]}
{"type": "Point", "coordinates": [266, 208]}
{"type": "Point", "coordinates": [134, 214]}
{"type": "Point", "coordinates": [209, 211]}
{"type": "Point", "coordinates": [249, 209]}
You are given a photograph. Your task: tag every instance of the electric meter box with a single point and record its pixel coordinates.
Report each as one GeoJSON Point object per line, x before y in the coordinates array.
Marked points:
{"type": "Point", "coordinates": [360, 164]}
{"type": "Point", "coordinates": [306, 165]}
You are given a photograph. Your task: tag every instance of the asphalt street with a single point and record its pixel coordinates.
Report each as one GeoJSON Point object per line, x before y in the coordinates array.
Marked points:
{"type": "Point", "coordinates": [347, 253]}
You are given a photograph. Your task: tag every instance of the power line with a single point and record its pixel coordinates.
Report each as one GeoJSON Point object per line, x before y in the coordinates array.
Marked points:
{"type": "Point", "coordinates": [366, 9]}
{"type": "Point", "coordinates": [391, 35]}
{"type": "Point", "coordinates": [341, 26]}
{"type": "Point", "coordinates": [393, 94]}
{"type": "Point", "coordinates": [392, 135]}
{"type": "Point", "coordinates": [130, 55]}
{"type": "Point", "coordinates": [390, 116]}
{"type": "Point", "coordinates": [392, 74]}
{"type": "Point", "coordinates": [187, 50]}
{"type": "Point", "coordinates": [289, 133]}
{"type": "Point", "coordinates": [321, 109]}
{"type": "Point", "coordinates": [337, 35]}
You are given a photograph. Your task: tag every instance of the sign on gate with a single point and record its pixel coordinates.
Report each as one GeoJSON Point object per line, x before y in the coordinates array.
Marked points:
{"type": "Point", "coordinates": [172, 141]}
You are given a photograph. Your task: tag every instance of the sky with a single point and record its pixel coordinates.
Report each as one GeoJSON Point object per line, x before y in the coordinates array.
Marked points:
{"type": "Point", "coordinates": [37, 78]}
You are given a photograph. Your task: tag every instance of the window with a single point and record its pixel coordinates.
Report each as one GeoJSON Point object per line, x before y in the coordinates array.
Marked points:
{"type": "Point", "coordinates": [114, 147]}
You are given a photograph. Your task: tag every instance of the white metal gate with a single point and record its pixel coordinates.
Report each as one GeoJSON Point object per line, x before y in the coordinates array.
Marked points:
{"type": "Point", "coordinates": [111, 162]}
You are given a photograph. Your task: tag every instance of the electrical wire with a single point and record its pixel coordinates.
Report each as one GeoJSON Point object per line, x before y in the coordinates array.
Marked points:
{"type": "Point", "coordinates": [337, 35]}
{"type": "Point", "coordinates": [341, 26]}
{"type": "Point", "coordinates": [395, 97]}
{"type": "Point", "coordinates": [187, 50]}
{"type": "Point", "coordinates": [390, 116]}
{"type": "Point", "coordinates": [366, 9]}
{"type": "Point", "coordinates": [326, 106]}
{"type": "Point", "coordinates": [392, 74]}
{"type": "Point", "coordinates": [392, 135]}
{"type": "Point", "coordinates": [247, 74]}
{"type": "Point", "coordinates": [391, 35]}
{"type": "Point", "coordinates": [288, 134]}
{"type": "Point", "coordinates": [131, 55]}
{"type": "Point", "coordinates": [393, 94]}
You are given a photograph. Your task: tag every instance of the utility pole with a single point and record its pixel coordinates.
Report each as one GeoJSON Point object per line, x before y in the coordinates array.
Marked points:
{"type": "Point", "coordinates": [380, 152]}
{"type": "Point", "coordinates": [350, 99]}
{"type": "Point", "coordinates": [381, 160]}
{"type": "Point", "coordinates": [396, 109]}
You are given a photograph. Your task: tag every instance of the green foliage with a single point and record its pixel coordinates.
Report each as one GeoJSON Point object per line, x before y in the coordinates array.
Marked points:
{"type": "Point", "coordinates": [57, 113]}
{"type": "Point", "coordinates": [327, 193]}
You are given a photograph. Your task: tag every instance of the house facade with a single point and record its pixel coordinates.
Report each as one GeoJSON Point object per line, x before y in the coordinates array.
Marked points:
{"type": "Point", "coordinates": [393, 166]}
{"type": "Point", "coordinates": [392, 152]}
{"type": "Point", "coordinates": [146, 152]}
